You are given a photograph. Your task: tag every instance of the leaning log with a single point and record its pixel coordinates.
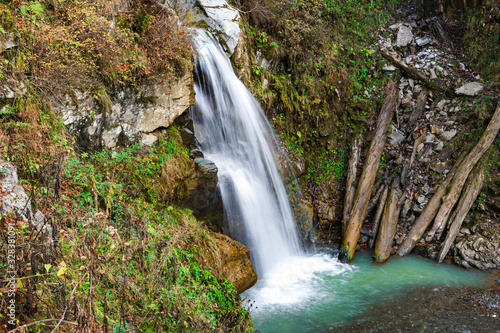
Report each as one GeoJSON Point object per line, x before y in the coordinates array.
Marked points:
{"type": "Point", "coordinates": [433, 206]}
{"type": "Point", "coordinates": [427, 214]}
{"type": "Point", "coordinates": [472, 189]}
{"type": "Point", "coordinates": [363, 192]}
{"type": "Point", "coordinates": [416, 75]}
{"type": "Point", "coordinates": [351, 178]}
{"type": "Point", "coordinates": [378, 215]}
{"type": "Point", "coordinates": [458, 181]}
{"type": "Point", "coordinates": [388, 225]}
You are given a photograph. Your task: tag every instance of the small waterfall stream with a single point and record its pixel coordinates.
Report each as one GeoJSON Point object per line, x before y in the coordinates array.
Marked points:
{"type": "Point", "coordinates": [233, 132]}
{"type": "Point", "coordinates": [296, 291]}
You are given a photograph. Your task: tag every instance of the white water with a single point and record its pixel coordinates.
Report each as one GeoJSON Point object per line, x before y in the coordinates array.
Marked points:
{"type": "Point", "coordinates": [233, 132]}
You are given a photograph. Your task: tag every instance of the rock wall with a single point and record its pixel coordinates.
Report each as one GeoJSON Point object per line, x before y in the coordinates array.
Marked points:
{"type": "Point", "coordinates": [127, 115]}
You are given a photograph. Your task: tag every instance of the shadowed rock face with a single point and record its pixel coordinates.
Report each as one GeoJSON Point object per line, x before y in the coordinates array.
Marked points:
{"type": "Point", "coordinates": [234, 263]}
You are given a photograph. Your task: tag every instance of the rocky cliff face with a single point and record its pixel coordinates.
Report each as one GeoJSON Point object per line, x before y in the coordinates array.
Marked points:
{"type": "Point", "coordinates": [127, 115]}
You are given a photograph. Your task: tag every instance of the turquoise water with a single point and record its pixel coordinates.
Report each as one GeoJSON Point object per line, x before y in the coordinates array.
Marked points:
{"type": "Point", "coordinates": [316, 293]}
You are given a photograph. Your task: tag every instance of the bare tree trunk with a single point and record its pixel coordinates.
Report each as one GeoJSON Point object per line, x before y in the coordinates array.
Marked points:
{"type": "Point", "coordinates": [378, 215]}
{"type": "Point", "coordinates": [388, 225]}
{"type": "Point", "coordinates": [465, 167]}
{"type": "Point", "coordinates": [427, 215]}
{"type": "Point", "coordinates": [351, 178]}
{"type": "Point", "coordinates": [432, 207]}
{"type": "Point", "coordinates": [363, 192]}
{"type": "Point", "coordinates": [472, 189]}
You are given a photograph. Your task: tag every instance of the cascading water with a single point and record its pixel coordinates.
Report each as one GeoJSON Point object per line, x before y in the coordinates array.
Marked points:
{"type": "Point", "coordinates": [296, 292]}
{"type": "Point", "coordinates": [233, 132]}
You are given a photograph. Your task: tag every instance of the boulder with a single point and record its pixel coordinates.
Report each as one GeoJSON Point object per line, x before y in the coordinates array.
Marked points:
{"type": "Point", "coordinates": [470, 89]}
{"type": "Point", "coordinates": [405, 36]}
{"type": "Point", "coordinates": [234, 263]}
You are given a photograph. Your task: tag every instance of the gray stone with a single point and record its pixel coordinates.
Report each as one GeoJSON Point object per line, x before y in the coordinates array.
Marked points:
{"type": "Point", "coordinates": [219, 15]}
{"type": "Point", "coordinates": [439, 146]}
{"type": "Point", "coordinates": [405, 36]}
{"type": "Point", "coordinates": [448, 135]}
{"type": "Point", "coordinates": [478, 247]}
{"type": "Point", "coordinates": [470, 89]}
{"type": "Point", "coordinates": [433, 74]}
{"type": "Point", "coordinates": [389, 68]}
{"type": "Point", "coordinates": [395, 137]}
{"type": "Point", "coordinates": [133, 111]}
{"type": "Point", "coordinates": [15, 201]}
{"type": "Point", "coordinates": [423, 41]}
{"type": "Point", "coordinates": [441, 104]}
{"type": "Point", "coordinates": [148, 139]}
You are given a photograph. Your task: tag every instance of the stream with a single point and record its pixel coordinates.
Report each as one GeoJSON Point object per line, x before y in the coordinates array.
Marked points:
{"type": "Point", "coordinates": [338, 294]}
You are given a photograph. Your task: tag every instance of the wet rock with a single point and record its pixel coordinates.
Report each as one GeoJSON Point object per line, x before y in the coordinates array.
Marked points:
{"type": "Point", "coordinates": [223, 18]}
{"type": "Point", "coordinates": [448, 135]}
{"type": "Point", "coordinates": [304, 214]}
{"type": "Point", "coordinates": [233, 263]}
{"type": "Point", "coordinates": [405, 36]}
{"type": "Point", "coordinates": [470, 89]}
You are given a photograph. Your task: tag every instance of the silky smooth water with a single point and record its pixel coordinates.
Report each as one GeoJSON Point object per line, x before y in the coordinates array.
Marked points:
{"type": "Point", "coordinates": [233, 132]}
{"type": "Point", "coordinates": [320, 301]}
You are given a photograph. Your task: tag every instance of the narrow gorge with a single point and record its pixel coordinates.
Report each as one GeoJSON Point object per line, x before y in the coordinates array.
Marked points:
{"type": "Point", "coordinates": [244, 165]}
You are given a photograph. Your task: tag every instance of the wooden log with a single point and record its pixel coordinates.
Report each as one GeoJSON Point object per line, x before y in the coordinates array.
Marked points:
{"type": "Point", "coordinates": [472, 189]}
{"type": "Point", "coordinates": [416, 75]}
{"type": "Point", "coordinates": [378, 215]}
{"type": "Point", "coordinates": [350, 182]}
{"type": "Point", "coordinates": [387, 229]}
{"type": "Point", "coordinates": [433, 206]}
{"type": "Point", "coordinates": [417, 110]}
{"type": "Point", "coordinates": [364, 189]}
{"type": "Point", "coordinates": [378, 188]}
{"type": "Point", "coordinates": [458, 181]}
{"type": "Point", "coordinates": [427, 214]}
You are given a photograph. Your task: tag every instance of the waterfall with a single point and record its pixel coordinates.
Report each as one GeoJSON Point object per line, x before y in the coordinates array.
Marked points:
{"type": "Point", "coordinates": [233, 132]}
